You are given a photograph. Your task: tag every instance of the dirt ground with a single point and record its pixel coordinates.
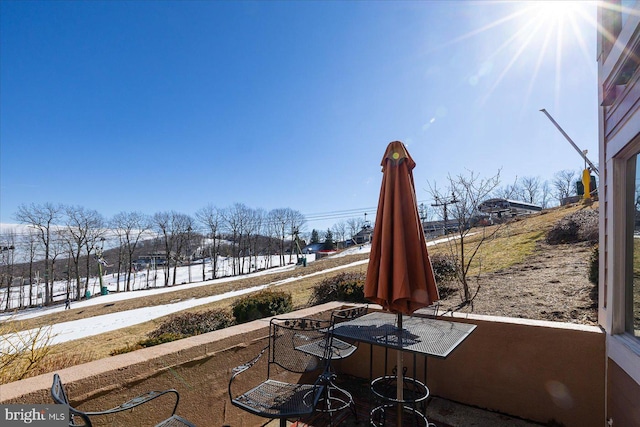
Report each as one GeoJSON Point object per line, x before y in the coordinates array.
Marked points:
{"type": "Point", "coordinates": [552, 284]}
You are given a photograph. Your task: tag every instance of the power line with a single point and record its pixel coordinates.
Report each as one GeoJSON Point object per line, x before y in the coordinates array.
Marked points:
{"type": "Point", "coordinates": [345, 213]}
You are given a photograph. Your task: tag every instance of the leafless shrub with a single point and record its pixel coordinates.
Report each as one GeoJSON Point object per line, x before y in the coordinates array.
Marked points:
{"type": "Point", "coordinates": [580, 226]}
{"type": "Point", "coordinates": [22, 351]}
{"type": "Point", "coordinates": [55, 362]}
{"type": "Point", "coordinates": [189, 324]}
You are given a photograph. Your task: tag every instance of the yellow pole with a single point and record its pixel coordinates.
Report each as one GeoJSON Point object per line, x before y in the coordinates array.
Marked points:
{"type": "Point", "coordinates": [586, 182]}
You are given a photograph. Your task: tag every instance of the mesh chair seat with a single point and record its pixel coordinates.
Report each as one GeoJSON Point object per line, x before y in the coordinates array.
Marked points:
{"type": "Point", "coordinates": [278, 399]}
{"type": "Point", "coordinates": [339, 349]}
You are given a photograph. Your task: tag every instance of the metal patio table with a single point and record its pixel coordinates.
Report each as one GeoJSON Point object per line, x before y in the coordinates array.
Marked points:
{"type": "Point", "coordinates": [419, 336]}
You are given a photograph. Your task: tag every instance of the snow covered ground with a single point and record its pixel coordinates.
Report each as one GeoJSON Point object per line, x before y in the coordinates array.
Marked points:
{"type": "Point", "coordinates": [82, 328]}
{"type": "Point", "coordinates": [147, 279]}
{"type": "Point", "coordinates": [76, 329]}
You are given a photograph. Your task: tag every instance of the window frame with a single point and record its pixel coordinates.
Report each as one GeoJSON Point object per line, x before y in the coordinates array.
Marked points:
{"type": "Point", "coordinates": [623, 347]}
{"type": "Point", "coordinates": [631, 169]}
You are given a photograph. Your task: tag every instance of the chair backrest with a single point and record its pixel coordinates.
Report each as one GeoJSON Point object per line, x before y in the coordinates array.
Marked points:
{"type": "Point", "coordinates": [59, 395]}
{"type": "Point", "coordinates": [290, 340]}
{"type": "Point", "coordinates": [345, 314]}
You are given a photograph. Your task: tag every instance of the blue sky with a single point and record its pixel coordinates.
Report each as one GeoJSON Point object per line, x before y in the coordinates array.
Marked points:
{"type": "Point", "coordinates": [156, 106]}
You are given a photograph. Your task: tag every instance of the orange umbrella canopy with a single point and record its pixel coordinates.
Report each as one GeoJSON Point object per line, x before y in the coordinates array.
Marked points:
{"type": "Point", "coordinates": [399, 276]}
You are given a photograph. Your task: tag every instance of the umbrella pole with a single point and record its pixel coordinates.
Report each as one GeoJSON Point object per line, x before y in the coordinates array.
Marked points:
{"type": "Point", "coordinates": [400, 374]}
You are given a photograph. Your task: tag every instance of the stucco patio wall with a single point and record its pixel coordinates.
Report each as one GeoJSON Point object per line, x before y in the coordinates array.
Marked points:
{"type": "Point", "coordinates": [198, 367]}
{"type": "Point", "coordinates": [534, 370]}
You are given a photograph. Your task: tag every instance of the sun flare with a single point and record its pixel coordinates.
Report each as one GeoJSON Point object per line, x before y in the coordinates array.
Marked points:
{"type": "Point", "coordinates": [531, 36]}
{"type": "Point", "coordinates": [558, 10]}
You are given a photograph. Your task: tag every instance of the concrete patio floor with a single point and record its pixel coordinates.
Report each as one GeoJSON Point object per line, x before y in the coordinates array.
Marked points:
{"type": "Point", "coordinates": [440, 412]}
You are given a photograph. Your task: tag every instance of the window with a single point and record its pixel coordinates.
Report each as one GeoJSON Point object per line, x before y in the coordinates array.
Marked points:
{"type": "Point", "coordinates": [632, 288]}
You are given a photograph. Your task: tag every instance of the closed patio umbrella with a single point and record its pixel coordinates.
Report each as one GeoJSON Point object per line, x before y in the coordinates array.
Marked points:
{"type": "Point", "coordinates": [399, 276]}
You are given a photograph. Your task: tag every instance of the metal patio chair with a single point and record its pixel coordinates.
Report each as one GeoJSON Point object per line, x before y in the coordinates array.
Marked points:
{"type": "Point", "coordinates": [336, 398]}
{"type": "Point", "coordinates": [83, 418]}
{"type": "Point", "coordinates": [275, 397]}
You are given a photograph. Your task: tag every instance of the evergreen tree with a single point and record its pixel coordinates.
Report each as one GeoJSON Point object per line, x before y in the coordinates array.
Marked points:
{"type": "Point", "coordinates": [328, 241]}
{"type": "Point", "coordinates": [314, 236]}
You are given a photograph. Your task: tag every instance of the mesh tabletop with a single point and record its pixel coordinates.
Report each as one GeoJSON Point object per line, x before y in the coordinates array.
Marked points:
{"type": "Point", "coordinates": [419, 335]}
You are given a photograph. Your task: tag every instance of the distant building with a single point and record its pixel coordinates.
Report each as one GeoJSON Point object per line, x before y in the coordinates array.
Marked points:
{"type": "Point", "coordinates": [508, 207]}
{"type": "Point", "coordinates": [363, 236]}
{"type": "Point", "coordinates": [434, 229]}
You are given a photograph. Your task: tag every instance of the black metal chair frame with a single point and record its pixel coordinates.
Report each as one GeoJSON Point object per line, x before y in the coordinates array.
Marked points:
{"type": "Point", "coordinates": [59, 396]}
{"type": "Point", "coordinates": [335, 398]}
{"type": "Point", "coordinates": [282, 400]}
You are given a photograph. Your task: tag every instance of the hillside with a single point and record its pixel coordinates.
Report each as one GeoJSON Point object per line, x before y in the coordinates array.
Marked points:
{"type": "Point", "coordinates": [518, 274]}
{"type": "Point", "coordinates": [515, 274]}
{"type": "Point", "coordinates": [550, 284]}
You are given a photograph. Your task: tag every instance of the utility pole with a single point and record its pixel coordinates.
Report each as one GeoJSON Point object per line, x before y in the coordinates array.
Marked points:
{"type": "Point", "coordinates": [189, 251]}
{"type": "Point", "coordinates": [444, 203]}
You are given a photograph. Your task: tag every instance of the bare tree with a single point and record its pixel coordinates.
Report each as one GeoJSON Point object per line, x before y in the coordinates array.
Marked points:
{"type": "Point", "coordinates": [468, 191]}
{"type": "Point", "coordinates": [182, 226]}
{"type": "Point", "coordinates": [94, 244]}
{"type": "Point", "coordinates": [130, 228]}
{"type": "Point", "coordinates": [257, 226]}
{"type": "Point", "coordinates": [173, 227]}
{"type": "Point", "coordinates": [80, 223]}
{"type": "Point", "coordinates": [30, 242]}
{"type": "Point", "coordinates": [236, 221]}
{"type": "Point", "coordinates": [7, 255]}
{"type": "Point", "coordinates": [212, 218]}
{"type": "Point", "coordinates": [43, 219]}
{"type": "Point", "coordinates": [278, 222]}
{"type": "Point", "coordinates": [509, 191]}
{"type": "Point", "coordinates": [530, 189]}
{"type": "Point", "coordinates": [275, 229]}
{"type": "Point", "coordinates": [122, 260]}
{"type": "Point", "coordinates": [545, 195]}
{"type": "Point", "coordinates": [564, 184]}
{"type": "Point", "coordinates": [355, 225]}
{"type": "Point", "coordinates": [58, 248]}
{"type": "Point", "coordinates": [163, 225]}
{"type": "Point", "coordinates": [339, 230]}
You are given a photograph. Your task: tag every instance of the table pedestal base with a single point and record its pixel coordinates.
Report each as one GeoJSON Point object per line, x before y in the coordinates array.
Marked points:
{"type": "Point", "coordinates": [414, 393]}
{"type": "Point", "coordinates": [411, 416]}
